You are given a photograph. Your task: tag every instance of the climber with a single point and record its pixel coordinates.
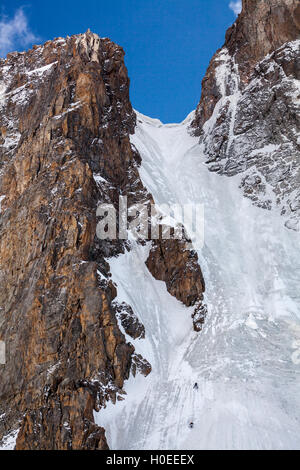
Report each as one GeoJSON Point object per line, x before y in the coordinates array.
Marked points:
{"type": "Point", "coordinates": [195, 386]}
{"type": "Point", "coordinates": [191, 425]}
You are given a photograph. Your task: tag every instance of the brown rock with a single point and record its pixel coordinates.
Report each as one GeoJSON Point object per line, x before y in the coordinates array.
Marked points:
{"type": "Point", "coordinates": [130, 322]}
{"type": "Point", "coordinates": [174, 263]}
{"type": "Point", "coordinates": [141, 365]}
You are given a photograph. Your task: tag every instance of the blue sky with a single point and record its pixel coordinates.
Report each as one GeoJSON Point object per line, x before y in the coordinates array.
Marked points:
{"type": "Point", "coordinates": [168, 43]}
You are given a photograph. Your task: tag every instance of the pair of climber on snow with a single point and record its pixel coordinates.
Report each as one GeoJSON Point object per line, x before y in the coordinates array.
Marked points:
{"type": "Point", "coordinates": [195, 387]}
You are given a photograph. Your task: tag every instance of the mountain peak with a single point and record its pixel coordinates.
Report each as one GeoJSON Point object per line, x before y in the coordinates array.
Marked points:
{"type": "Point", "coordinates": [262, 27]}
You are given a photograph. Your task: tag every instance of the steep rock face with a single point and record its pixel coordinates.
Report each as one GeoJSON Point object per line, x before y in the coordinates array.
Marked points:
{"type": "Point", "coordinates": [65, 120]}
{"type": "Point", "coordinates": [248, 116]}
{"type": "Point", "coordinates": [172, 262]}
{"type": "Point", "coordinates": [64, 116]}
{"type": "Point", "coordinates": [167, 259]}
{"type": "Point", "coordinates": [261, 27]}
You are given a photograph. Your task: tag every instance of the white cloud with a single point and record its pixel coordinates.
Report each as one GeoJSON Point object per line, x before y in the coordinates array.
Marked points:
{"type": "Point", "coordinates": [15, 32]}
{"type": "Point", "coordinates": [236, 6]}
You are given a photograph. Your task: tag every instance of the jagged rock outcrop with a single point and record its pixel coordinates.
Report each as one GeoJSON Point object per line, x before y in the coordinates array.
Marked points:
{"type": "Point", "coordinates": [262, 27]}
{"type": "Point", "coordinates": [65, 121]}
{"type": "Point", "coordinates": [248, 115]}
{"type": "Point", "coordinates": [172, 262]}
{"type": "Point", "coordinates": [141, 365]}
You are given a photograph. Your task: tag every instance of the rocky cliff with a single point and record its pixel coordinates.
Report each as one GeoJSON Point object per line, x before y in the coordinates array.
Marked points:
{"type": "Point", "coordinates": [248, 115]}
{"type": "Point", "coordinates": [65, 122]}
